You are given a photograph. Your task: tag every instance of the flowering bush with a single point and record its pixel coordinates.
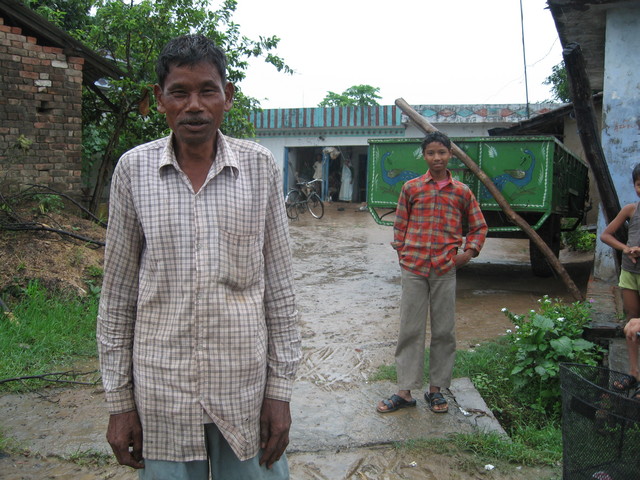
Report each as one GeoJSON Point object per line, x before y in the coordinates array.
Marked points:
{"type": "Point", "coordinates": [540, 341]}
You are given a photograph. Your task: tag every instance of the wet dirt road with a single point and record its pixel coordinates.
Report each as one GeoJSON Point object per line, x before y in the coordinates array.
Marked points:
{"type": "Point", "coordinates": [348, 282]}
{"type": "Point", "coordinates": [348, 287]}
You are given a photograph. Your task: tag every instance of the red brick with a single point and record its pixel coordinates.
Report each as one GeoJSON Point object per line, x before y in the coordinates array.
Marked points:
{"type": "Point", "coordinates": [31, 61]}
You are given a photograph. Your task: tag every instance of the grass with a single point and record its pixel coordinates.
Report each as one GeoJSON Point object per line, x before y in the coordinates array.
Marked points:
{"type": "Point", "coordinates": [487, 448]}
{"type": "Point", "coordinates": [45, 332]}
{"type": "Point", "coordinates": [534, 439]}
{"type": "Point", "coordinates": [91, 458]}
{"type": "Point", "coordinates": [6, 443]}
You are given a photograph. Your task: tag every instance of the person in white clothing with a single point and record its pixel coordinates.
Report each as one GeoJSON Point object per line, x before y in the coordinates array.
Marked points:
{"type": "Point", "coordinates": [346, 185]}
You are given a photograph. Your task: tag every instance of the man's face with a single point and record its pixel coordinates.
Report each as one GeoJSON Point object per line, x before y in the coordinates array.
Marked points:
{"type": "Point", "coordinates": [194, 100]}
{"type": "Point", "coordinates": [437, 157]}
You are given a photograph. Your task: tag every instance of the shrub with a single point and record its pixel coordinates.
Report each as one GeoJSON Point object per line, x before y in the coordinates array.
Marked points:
{"type": "Point", "coordinates": [580, 240]}
{"type": "Point", "coordinates": [48, 203]}
{"type": "Point", "coordinates": [542, 340]}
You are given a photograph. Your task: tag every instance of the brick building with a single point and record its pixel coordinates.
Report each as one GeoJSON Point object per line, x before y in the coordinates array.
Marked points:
{"type": "Point", "coordinates": [42, 70]}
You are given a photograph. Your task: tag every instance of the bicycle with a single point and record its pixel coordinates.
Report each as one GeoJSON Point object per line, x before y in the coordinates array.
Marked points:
{"type": "Point", "coordinates": [304, 196]}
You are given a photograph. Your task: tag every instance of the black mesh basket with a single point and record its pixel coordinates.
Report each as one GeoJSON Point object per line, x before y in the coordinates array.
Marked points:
{"type": "Point", "coordinates": [600, 425]}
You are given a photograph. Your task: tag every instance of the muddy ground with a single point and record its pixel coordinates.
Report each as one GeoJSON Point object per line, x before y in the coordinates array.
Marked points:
{"type": "Point", "coordinates": [348, 287]}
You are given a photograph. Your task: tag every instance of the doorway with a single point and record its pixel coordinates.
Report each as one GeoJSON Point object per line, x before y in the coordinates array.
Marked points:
{"type": "Point", "coordinates": [343, 172]}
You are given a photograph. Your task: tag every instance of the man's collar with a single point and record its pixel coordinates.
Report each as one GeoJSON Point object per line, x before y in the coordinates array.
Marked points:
{"type": "Point", "coordinates": [225, 156]}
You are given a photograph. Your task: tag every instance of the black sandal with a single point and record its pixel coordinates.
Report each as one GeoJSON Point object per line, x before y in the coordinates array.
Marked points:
{"type": "Point", "coordinates": [436, 399]}
{"type": "Point", "coordinates": [396, 402]}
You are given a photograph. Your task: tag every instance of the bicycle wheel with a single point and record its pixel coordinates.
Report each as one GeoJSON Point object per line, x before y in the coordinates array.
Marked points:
{"type": "Point", "coordinates": [291, 202]}
{"type": "Point", "coordinates": [315, 205]}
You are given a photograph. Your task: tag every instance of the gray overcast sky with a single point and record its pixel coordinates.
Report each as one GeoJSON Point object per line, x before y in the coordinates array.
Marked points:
{"type": "Point", "coordinates": [427, 52]}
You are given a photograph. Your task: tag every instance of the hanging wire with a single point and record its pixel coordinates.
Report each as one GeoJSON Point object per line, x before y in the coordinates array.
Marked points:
{"type": "Point", "coordinates": [524, 57]}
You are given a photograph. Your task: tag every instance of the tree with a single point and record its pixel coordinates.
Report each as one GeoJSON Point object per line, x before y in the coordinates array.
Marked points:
{"type": "Point", "coordinates": [356, 96]}
{"type": "Point", "coordinates": [118, 115]}
{"type": "Point", "coordinates": [69, 15]}
{"type": "Point", "coordinates": [559, 83]}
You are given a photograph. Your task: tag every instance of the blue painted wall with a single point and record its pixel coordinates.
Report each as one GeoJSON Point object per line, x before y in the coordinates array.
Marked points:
{"type": "Point", "coordinates": [621, 112]}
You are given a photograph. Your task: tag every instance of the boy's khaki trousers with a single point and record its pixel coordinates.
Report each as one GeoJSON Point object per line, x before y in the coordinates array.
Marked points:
{"type": "Point", "coordinates": [422, 297]}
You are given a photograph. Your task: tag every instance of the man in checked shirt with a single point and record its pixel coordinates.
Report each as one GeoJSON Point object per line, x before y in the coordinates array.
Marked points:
{"type": "Point", "coordinates": [197, 326]}
{"type": "Point", "coordinates": [428, 239]}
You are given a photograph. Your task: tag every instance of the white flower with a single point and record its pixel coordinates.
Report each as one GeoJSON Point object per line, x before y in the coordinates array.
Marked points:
{"type": "Point", "coordinates": [508, 330]}
{"type": "Point", "coordinates": [561, 319]}
{"type": "Point", "coordinates": [517, 327]}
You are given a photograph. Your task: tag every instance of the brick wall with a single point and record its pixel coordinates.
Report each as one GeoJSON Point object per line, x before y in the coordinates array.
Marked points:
{"type": "Point", "coordinates": [40, 105]}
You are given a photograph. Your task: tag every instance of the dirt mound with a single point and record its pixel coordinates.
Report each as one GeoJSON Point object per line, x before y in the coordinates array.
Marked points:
{"type": "Point", "coordinates": [30, 249]}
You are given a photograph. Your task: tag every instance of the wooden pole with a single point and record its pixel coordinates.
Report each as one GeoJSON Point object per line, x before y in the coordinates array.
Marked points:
{"type": "Point", "coordinates": [589, 132]}
{"type": "Point", "coordinates": [426, 126]}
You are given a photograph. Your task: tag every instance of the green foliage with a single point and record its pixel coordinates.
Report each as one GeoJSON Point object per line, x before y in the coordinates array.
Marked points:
{"type": "Point", "coordinates": [490, 446]}
{"type": "Point", "coordinates": [540, 342]}
{"type": "Point", "coordinates": [133, 35]}
{"type": "Point", "coordinates": [384, 372]}
{"type": "Point", "coordinates": [95, 288]}
{"type": "Point", "coordinates": [23, 143]}
{"type": "Point", "coordinates": [488, 367]}
{"type": "Point", "coordinates": [95, 272]}
{"type": "Point", "coordinates": [356, 96]}
{"type": "Point", "coordinates": [48, 203]}
{"type": "Point", "coordinates": [120, 115]}
{"type": "Point", "coordinates": [69, 15]}
{"type": "Point", "coordinates": [45, 332]}
{"type": "Point", "coordinates": [91, 458]}
{"type": "Point", "coordinates": [7, 444]}
{"type": "Point", "coordinates": [579, 240]}
{"type": "Point", "coordinates": [559, 83]}
{"type": "Point", "coordinates": [545, 449]}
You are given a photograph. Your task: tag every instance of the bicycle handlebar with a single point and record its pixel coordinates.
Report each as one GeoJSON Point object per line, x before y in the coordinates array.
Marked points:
{"type": "Point", "coordinates": [309, 182]}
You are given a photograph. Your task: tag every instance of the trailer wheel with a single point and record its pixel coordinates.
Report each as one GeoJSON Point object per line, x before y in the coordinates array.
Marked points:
{"type": "Point", "coordinates": [550, 233]}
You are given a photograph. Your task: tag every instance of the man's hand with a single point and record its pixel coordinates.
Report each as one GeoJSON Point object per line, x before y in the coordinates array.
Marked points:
{"type": "Point", "coordinates": [275, 421]}
{"type": "Point", "coordinates": [124, 434]}
{"type": "Point", "coordinates": [462, 259]}
{"type": "Point", "coordinates": [631, 329]}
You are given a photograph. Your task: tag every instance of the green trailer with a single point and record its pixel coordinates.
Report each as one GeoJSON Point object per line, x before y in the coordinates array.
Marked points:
{"type": "Point", "coordinates": [542, 181]}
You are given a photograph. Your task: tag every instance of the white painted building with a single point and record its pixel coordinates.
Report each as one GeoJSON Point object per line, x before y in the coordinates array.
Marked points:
{"type": "Point", "coordinates": [299, 137]}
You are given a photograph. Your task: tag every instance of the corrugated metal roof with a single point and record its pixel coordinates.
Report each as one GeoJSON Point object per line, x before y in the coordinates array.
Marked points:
{"type": "Point", "coordinates": [335, 117]}
{"type": "Point", "coordinates": [384, 119]}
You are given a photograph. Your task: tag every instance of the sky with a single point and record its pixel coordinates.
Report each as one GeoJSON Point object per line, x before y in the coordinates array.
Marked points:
{"type": "Point", "coordinates": [446, 52]}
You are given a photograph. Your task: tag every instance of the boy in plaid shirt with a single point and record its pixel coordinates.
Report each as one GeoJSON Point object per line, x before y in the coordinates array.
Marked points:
{"type": "Point", "coordinates": [427, 237]}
